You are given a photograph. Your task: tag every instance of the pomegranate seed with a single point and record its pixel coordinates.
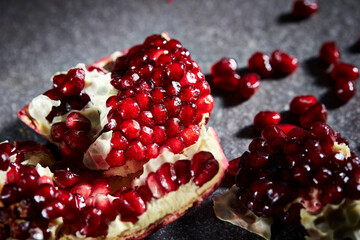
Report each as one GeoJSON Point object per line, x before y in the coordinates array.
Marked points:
{"type": "Point", "coordinates": [260, 64]}
{"type": "Point", "coordinates": [286, 127]}
{"type": "Point", "coordinates": [167, 176]}
{"type": "Point", "coordinates": [223, 67]}
{"type": "Point", "coordinates": [266, 118]}
{"type": "Point", "coordinates": [173, 106]}
{"type": "Point", "coordinates": [173, 89]}
{"type": "Point", "coordinates": [76, 121]}
{"type": "Point", "coordinates": [143, 100]}
{"type": "Point", "coordinates": [145, 193]}
{"type": "Point", "coordinates": [228, 82]}
{"type": "Point", "coordinates": [182, 168]}
{"type": "Point", "coordinates": [73, 82]}
{"type": "Point", "coordinates": [115, 158]}
{"type": "Point", "coordinates": [159, 134]}
{"type": "Point", "coordinates": [304, 8]}
{"type": "Point", "coordinates": [344, 71]}
{"type": "Point", "coordinates": [189, 93]}
{"type": "Point", "coordinates": [207, 173]}
{"type": "Point", "coordinates": [28, 184]}
{"type": "Point", "coordinates": [173, 127]}
{"type": "Point", "coordinates": [176, 144]}
{"type": "Point", "coordinates": [58, 80]}
{"type": "Point", "coordinates": [52, 210]}
{"type": "Point", "coordinates": [130, 204]}
{"type": "Point", "coordinates": [249, 84]}
{"type": "Point", "coordinates": [329, 52]}
{"type": "Point", "coordinates": [198, 162]}
{"type": "Point", "coordinates": [9, 193]}
{"type": "Point", "coordinates": [44, 194]}
{"type": "Point", "coordinates": [204, 87]}
{"type": "Point", "coordinates": [130, 129]}
{"type": "Point", "coordinates": [118, 141]}
{"type": "Point", "coordinates": [83, 189]}
{"type": "Point", "coordinates": [89, 220]}
{"type": "Point", "coordinates": [302, 103]}
{"type": "Point", "coordinates": [189, 78]}
{"type": "Point", "coordinates": [317, 112]}
{"type": "Point", "coordinates": [159, 113]}
{"type": "Point", "coordinates": [135, 151]}
{"type": "Point", "coordinates": [175, 70]}
{"type": "Point", "coordinates": [283, 62]}
{"type": "Point", "coordinates": [233, 166]}
{"type": "Point", "coordinates": [129, 109]}
{"type": "Point", "coordinates": [344, 90]}
{"type": "Point", "coordinates": [78, 141]}
{"type": "Point", "coordinates": [146, 119]}
{"type": "Point", "coordinates": [101, 186]}
{"type": "Point", "coordinates": [146, 135]}
{"type": "Point", "coordinates": [205, 104]}
{"type": "Point", "coordinates": [58, 131]}
{"type": "Point", "coordinates": [190, 135]}
{"type": "Point", "coordinates": [154, 185]}
{"type": "Point", "coordinates": [6, 151]}
{"type": "Point", "coordinates": [152, 151]}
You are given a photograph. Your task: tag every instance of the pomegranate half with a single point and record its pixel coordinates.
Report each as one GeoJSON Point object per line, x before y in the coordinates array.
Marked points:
{"type": "Point", "coordinates": [134, 123]}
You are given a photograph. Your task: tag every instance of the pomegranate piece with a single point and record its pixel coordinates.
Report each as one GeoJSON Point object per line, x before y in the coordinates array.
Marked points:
{"type": "Point", "coordinates": [329, 52]}
{"type": "Point", "coordinates": [260, 63]}
{"type": "Point", "coordinates": [304, 8]}
{"type": "Point", "coordinates": [344, 71]}
{"type": "Point", "coordinates": [283, 63]}
{"type": "Point", "coordinates": [300, 104]}
{"type": "Point", "coordinates": [249, 84]}
{"type": "Point", "coordinates": [266, 118]}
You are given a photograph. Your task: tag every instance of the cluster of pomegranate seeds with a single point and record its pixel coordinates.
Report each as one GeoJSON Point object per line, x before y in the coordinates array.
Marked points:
{"type": "Point", "coordinates": [30, 202]}
{"type": "Point", "coordinates": [278, 64]}
{"type": "Point", "coordinates": [162, 98]}
{"type": "Point", "coordinates": [67, 88]}
{"type": "Point", "coordinates": [72, 135]}
{"type": "Point", "coordinates": [309, 110]}
{"type": "Point", "coordinates": [343, 74]}
{"type": "Point", "coordinates": [304, 9]}
{"type": "Point", "coordinates": [279, 168]}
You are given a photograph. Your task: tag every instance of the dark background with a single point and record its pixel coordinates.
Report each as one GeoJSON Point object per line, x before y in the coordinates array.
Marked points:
{"type": "Point", "coordinates": [39, 38]}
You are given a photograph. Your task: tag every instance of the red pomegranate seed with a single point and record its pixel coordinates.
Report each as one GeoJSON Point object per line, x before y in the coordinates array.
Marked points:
{"type": "Point", "coordinates": [101, 186]}
{"type": "Point", "coordinates": [175, 70]}
{"type": "Point", "coordinates": [115, 158]}
{"type": "Point", "coordinates": [345, 71]}
{"type": "Point", "coordinates": [283, 63]}
{"type": "Point", "coordinates": [6, 151]}
{"type": "Point", "coordinates": [249, 84]}
{"type": "Point", "coordinates": [189, 93]}
{"type": "Point", "coordinates": [233, 166]}
{"type": "Point", "coordinates": [78, 141]}
{"type": "Point", "coordinates": [143, 100]}
{"type": "Point", "coordinates": [317, 112]}
{"type": "Point", "coordinates": [207, 173]}
{"type": "Point", "coordinates": [58, 80]}
{"type": "Point", "coordinates": [130, 204]}
{"type": "Point", "coordinates": [130, 128]}
{"type": "Point", "coordinates": [152, 151]}
{"type": "Point", "coordinates": [204, 87]}
{"type": "Point", "coordinates": [89, 220]}
{"type": "Point", "coordinates": [76, 121]}
{"type": "Point", "coordinates": [159, 113]}
{"type": "Point", "coordinates": [83, 189]}
{"type": "Point", "coordinates": [302, 103]}
{"type": "Point", "coordinates": [304, 8]}
{"type": "Point", "coordinates": [118, 141]}
{"type": "Point", "coordinates": [198, 162]}
{"type": "Point", "coordinates": [190, 78]}
{"type": "Point", "coordinates": [175, 144]}
{"type": "Point", "coordinates": [187, 113]}
{"type": "Point", "coordinates": [129, 109]}
{"type": "Point", "coordinates": [159, 134]}
{"type": "Point", "coordinates": [145, 193]}
{"type": "Point", "coordinates": [228, 82]}
{"type": "Point", "coordinates": [74, 82]}
{"type": "Point", "coordinates": [182, 168]}
{"type": "Point", "coordinates": [173, 89]}
{"type": "Point", "coordinates": [158, 95]}
{"type": "Point", "coordinates": [13, 173]}
{"type": "Point", "coordinates": [266, 118]}
{"type": "Point", "coordinates": [223, 66]}
{"type": "Point", "coordinates": [205, 104]}
{"type": "Point", "coordinates": [344, 90]}
{"type": "Point", "coordinates": [329, 52]}
{"type": "Point", "coordinates": [272, 132]}
{"type": "Point", "coordinates": [286, 127]}
{"type": "Point", "coordinates": [146, 119]}
{"type": "Point", "coordinates": [52, 210]}
{"type": "Point", "coordinates": [173, 127]}
{"type": "Point", "coordinates": [146, 135]}
{"type": "Point", "coordinates": [173, 44]}
{"type": "Point", "coordinates": [44, 194]}
{"type": "Point", "coordinates": [173, 106]}
{"type": "Point", "coordinates": [260, 64]}
{"type": "Point", "coordinates": [190, 135]}
{"type": "Point", "coordinates": [9, 194]}
{"type": "Point", "coordinates": [58, 131]}
{"type": "Point", "coordinates": [28, 184]}
{"type": "Point", "coordinates": [136, 151]}
{"type": "Point", "coordinates": [153, 183]}
{"type": "Point", "coordinates": [167, 176]}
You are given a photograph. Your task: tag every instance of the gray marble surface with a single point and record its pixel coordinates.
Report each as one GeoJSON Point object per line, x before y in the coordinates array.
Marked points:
{"type": "Point", "coordinates": [39, 38]}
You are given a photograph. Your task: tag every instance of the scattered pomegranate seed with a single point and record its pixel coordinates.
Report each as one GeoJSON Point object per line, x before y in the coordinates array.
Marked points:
{"type": "Point", "coordinates": [302, 103]}
{"type": "Point", "coordinates": [227, 82]}
{"type": "Point", "coordinates": [223, 67]}
{"type": "Point", "coordinates": [249, 84]}
{"type": "Point", "coordinates": [317, 112]}
{"type": "Point", "coordinates": [260, 64]}
{"type": "Point", "coordinates": [345, 71]}
{"type": "Point", "coordinates": [286, 127]}
{"type": "Point", "coordinates": [266, 118]}
{"type": "Point", "coordinates": [344, 90]}
{"type": "Point", "coordinates": [283, 63]}
{"type": "Point", "coordinates": [304, 8]}
{"type": "Point", "coordinates": [329, 52]}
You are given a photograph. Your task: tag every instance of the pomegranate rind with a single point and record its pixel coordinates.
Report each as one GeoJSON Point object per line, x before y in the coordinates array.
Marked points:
{"type": "Point", "coordinates": [229, 209]}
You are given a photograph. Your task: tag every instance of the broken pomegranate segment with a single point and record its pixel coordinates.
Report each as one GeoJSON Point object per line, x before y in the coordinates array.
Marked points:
{"type": "Point", "coordinates": [151, 97]}
{"type": "Point", "coordinates": [136, 117]}
{"type": "Point", "coordinates": [301, 176]}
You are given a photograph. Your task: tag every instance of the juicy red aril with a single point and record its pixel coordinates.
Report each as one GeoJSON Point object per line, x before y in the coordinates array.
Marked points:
{"type": "Point", "coordinates": [146, 135]}
{"type": "Point", "coordinates": [204, 87]}
{"type": "Point", "coordinates": [130, 128]}
{"type": "Point", "coordinates": [152, 151]}
{"type": "Point", "coordinates": [223, 67]}
{"type": "Point", "coordinates": [167, 177]}
{"type": "Point", "coordinates": [77, 140]}
{"type": "Point", "coordinates": [283, 63]}
{"type": "Point", "coordinates": [44, 194]}
{"type": "Point", "coordinates": [266, 118]}
{"type": "Point", "coordinates": [27, 184]}
{"type": "Point", "coordinates": [182, 168]}
{"type": "Point", "coordinates": [159, 113]}
{"type": "Point", "coordinates": [84, 189]}
{"type": "Point", "coordinates": [6, 150]}
{"type": "Point", "coordinates": [52, 210]}
{"type": "Point", "coordinates": [228, 82]}
{"type": "Point", "coordinates": [58, 131]}
{"type": "Point", "coordinates": [173, 105]}
{"type": "Point", "coordinates": [189, 93]}
{"type": "Point", "coordinates": [173, 127]}
{"type": "Point", "coordinates": [175, 70]}
{"type": "Point", "coordinates": [175, 144]}
{"type": "Point", "coordinates": [89, 220]}
{"type": "Point", "coordinates": [317, 112]}
{"type": "Point", "coordinates": [344, 71]}
{"type": "Point", "coordinates": [260, 64]}
{"type": "Point", "coordinates": [188, 113]}
{"type": "Point", "coordinates": [302, 103]}
{"type": "Point", "coordinates": [118, 141]}
{"type": "Point", "coordinates": [129, 109]}
{"type": "Point", "coordinates": [344, 90]}
{"type": "Point", "coordinates": [74, 82]}
{"type": "Point", "coordinates": [130, 204]}
{"type": "Point", "coordinates": [249, 84]}
{"type": "Point", "coordinates": [136, 151]}
{"type": "Point", "coordinates": [159, 134]}
{"type": "Point", "coordinates": [304, 8]}
{"type": "Point", "coordinates": [207, 173]}
{"type": "Point", "coordinates": [286, 127]}
{"type": "Point", "coordinates": [115, 158]}
{"type": "Point", "coordinates": [154, 185]}
{"type": "Point", "coordinates": [190, 135]}
{"type": "Point", "coordinates": [76, 121]}
{"type": "Point", "coordinates": [329, 52]}
{"type": "Point", "coordinates": [205, 104]}
{"type": "Point", "coordinates": [9, 193]}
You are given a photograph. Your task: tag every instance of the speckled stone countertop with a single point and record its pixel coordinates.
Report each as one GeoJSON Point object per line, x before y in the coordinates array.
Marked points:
{"type": "Point", "coordinates": [39, 38]}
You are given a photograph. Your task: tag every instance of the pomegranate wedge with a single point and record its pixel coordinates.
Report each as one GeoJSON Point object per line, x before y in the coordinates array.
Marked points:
{"type": "Point", "coordinates": [306, 177]}
{"type": "Point", "coordinates": [135, 124]}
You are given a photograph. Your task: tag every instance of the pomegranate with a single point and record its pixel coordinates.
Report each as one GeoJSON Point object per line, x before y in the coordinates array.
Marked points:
{"type": "Point", "coordinates": [303, 177]}
{"type": "Point", "coordinates": [138, 118]}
